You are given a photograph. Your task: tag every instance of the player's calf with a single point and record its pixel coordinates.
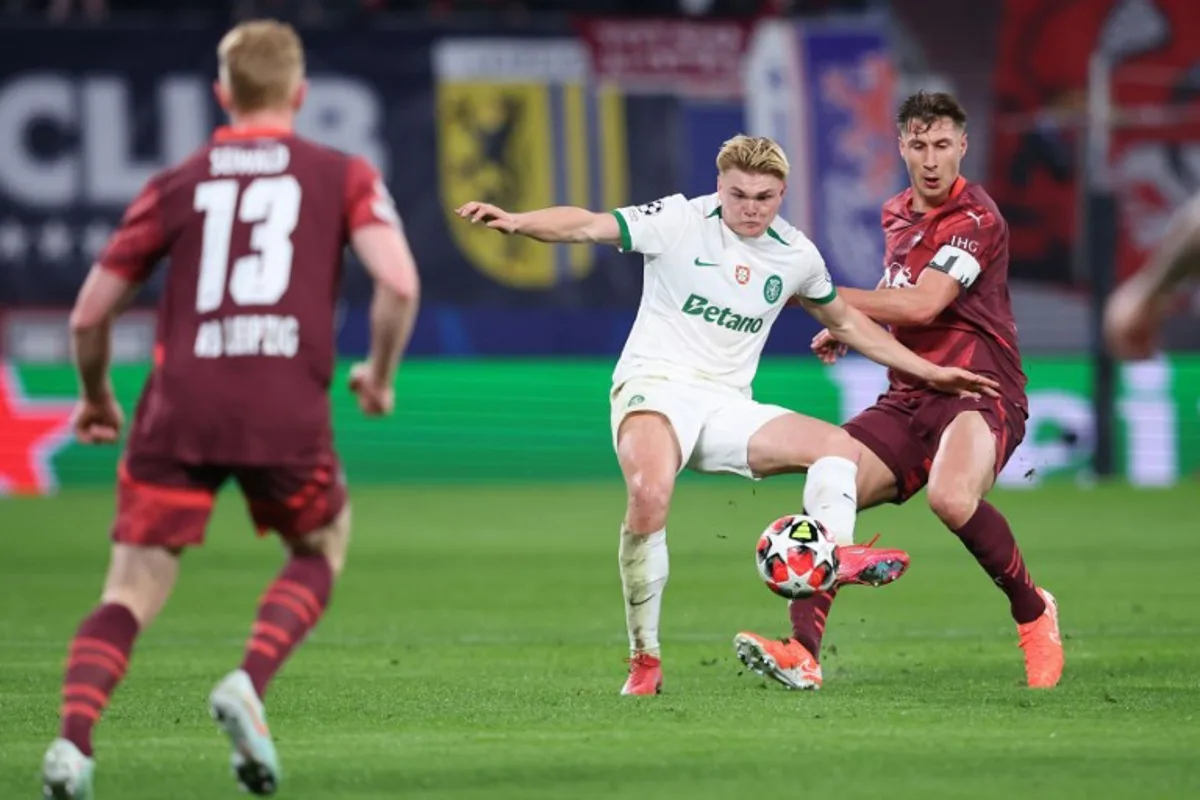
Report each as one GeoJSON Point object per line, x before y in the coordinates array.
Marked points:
{"type": "Point", "coordinates": [138, 583]}
{"type": "Point", "coordinates": [649, 455]}
{"type": "Point", "coordinates": [645, 568]}
{"type": "Point", "coordinates": [288, 611]}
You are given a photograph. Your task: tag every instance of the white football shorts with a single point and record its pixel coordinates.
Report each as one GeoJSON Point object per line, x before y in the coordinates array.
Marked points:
{"type": "Point", "coordinates": [713, 423]}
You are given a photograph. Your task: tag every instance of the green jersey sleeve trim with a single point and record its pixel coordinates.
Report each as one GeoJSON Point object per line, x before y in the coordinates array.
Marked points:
{"type": "Point", "coordinates": [827, 299]}
{"type": "Point", "coordinates": [626, 239]}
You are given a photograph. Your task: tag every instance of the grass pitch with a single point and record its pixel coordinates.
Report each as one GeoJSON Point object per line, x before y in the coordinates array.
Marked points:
{"type": "Point", "coordinates": [474, 650]}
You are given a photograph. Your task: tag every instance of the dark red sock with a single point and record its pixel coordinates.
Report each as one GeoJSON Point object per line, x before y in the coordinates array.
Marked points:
{"type": "Point", "coordinates": [96, 663]}
{"type": "Point", "coordinates": [287, 612]}
{"type": "Point", "coordinates": [808, 619]}
{"type": "Point", "coordinates": [991, 541]}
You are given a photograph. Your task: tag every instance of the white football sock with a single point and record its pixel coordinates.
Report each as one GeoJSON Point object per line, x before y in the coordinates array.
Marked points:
{"type": "Point", "coordinates": [831, 495]}
{"type": "Point", "coordinates": [644, 570]}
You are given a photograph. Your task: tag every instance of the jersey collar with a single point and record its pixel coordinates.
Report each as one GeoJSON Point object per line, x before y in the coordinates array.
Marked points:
{"type": "Point", "coordinates": [956, 189]}
{"type": "Point", "coordinates": [226, 133]}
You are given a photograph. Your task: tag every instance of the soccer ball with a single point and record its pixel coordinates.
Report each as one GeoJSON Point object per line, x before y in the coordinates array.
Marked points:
{"type": "Point", "coordinates": [797, 557]}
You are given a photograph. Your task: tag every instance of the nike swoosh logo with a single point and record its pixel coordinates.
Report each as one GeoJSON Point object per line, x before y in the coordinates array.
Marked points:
{"type": "Point", "coordinates": [641, 602]}
{"type": "Point", "coordinates": [700, 263]}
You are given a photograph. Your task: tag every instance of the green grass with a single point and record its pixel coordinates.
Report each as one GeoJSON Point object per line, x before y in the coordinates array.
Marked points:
{"type": "Point", "coordinates": [474, 650]}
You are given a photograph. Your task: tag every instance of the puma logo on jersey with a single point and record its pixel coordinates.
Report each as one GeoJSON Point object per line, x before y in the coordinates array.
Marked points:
{"type": "Point", "coordinates": [977, 217]}
{"type": "Point", "coordinates": [697, 306]}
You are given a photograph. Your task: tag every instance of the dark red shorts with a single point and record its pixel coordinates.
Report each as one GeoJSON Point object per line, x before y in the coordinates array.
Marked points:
{"type": "Point", "coordinates": [904, 430]}
{"type": "Point", "coordinates": [162, 502]}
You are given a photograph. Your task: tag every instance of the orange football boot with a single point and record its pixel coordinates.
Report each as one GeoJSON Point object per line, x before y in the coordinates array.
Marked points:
{"type": "Point", "coordinates": [645, 675]}
{"type": "Point", "coordinates": [1042, 643]}
{"type": "Point", "coordinates": [784, 660]}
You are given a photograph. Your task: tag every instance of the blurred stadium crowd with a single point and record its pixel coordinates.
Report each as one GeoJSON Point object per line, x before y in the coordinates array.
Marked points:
{"type": "Point", "coordinates": [332, 11]}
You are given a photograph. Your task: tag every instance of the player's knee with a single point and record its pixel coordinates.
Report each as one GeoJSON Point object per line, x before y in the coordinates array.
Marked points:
{"type": "Point", "coordinates": [649, 501]}
{"type": "Point", "coordinates": [141, 579]}
{"type": "Point", "coordinates": [801, 452]}
{"type": "Point", "coordinates": [331, 541]}
{"type": "Point", "coordinates": [953, 505]}
{"type": "Point", "coordinates": [794, 443]}
{"type": "Point", "coordinates": [838, 443]}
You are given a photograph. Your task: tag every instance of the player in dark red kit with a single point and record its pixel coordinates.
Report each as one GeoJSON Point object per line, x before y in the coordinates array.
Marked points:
{"type": "Point", "coordinates": [944, 293]}
{"type": "Point", "coordinates": [254, 225]}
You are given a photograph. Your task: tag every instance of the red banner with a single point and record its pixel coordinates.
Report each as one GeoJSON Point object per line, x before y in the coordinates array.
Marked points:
{"type": "Point", "coordinates": [1154, 156]}
{"type": "Point", "coordinates": [668, 56]}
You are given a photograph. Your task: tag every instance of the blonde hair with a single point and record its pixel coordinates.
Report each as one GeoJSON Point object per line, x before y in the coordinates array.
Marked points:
{"type": "Point", "coordinates": [261, 63]}
{"type": "Point", "coordinates": [755, 155]}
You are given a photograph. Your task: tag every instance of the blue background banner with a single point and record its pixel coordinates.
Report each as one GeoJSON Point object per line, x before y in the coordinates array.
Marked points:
{"type": "Point", "coordinates": [851, 85]}
{"type": "Point", "coordinates": [826, 91]}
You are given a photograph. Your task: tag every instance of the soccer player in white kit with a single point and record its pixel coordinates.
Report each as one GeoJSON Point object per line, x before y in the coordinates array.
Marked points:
{"type": "Point", "coordinates": [718, 270]}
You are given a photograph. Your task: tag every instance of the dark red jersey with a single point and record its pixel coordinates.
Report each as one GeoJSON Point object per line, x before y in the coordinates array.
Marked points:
{"type": "Point", "coordinates": [253, 228]}
{"type": "Point", "coordinates": [966, 238]}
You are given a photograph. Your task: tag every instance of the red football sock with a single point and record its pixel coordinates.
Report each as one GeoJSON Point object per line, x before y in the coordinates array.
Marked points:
{"type": "Point", "coordinates": [287, 612]}
{"type": "Point", "coordinates": [96, 663]}
{"type": "Point", "coordinates": [991, 541]}
{"type": "Point", "coordinates": [808, 619]}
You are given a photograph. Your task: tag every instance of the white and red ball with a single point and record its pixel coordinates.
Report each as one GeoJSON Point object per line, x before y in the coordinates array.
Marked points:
{"type": "Point", "coordinates": [797, 557]}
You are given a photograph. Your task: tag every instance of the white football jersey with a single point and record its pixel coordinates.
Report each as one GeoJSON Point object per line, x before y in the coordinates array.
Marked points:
{"type": "Point", "coordinates": [709, 296]}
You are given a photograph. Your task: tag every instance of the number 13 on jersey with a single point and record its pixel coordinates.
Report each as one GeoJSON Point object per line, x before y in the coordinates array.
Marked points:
{"type": "Point", "coordinates": [260, 278]}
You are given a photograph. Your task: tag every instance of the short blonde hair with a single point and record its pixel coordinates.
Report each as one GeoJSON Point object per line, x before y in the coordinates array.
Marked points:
{"type": "Point", "coordinates": [755, 155]}
{"type": "Point", "coordinates": [261, 63]}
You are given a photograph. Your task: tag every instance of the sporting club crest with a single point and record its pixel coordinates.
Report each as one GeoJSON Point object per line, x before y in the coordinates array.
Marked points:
{"type": "Point", "coordinates": [773, 289]}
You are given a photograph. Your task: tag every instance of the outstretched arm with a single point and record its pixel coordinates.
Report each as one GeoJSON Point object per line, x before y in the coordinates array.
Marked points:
{"type": "Point", "coordinates": [1177, 259]}
{"type": "Point", "coordinates": [828, 349]}
{"type": "Point", "coordinates": [556, 224]}
{"type": "Point", "coordinates": [855, 329]}
{"type": "Point", "coordinates": [1135, 312]}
